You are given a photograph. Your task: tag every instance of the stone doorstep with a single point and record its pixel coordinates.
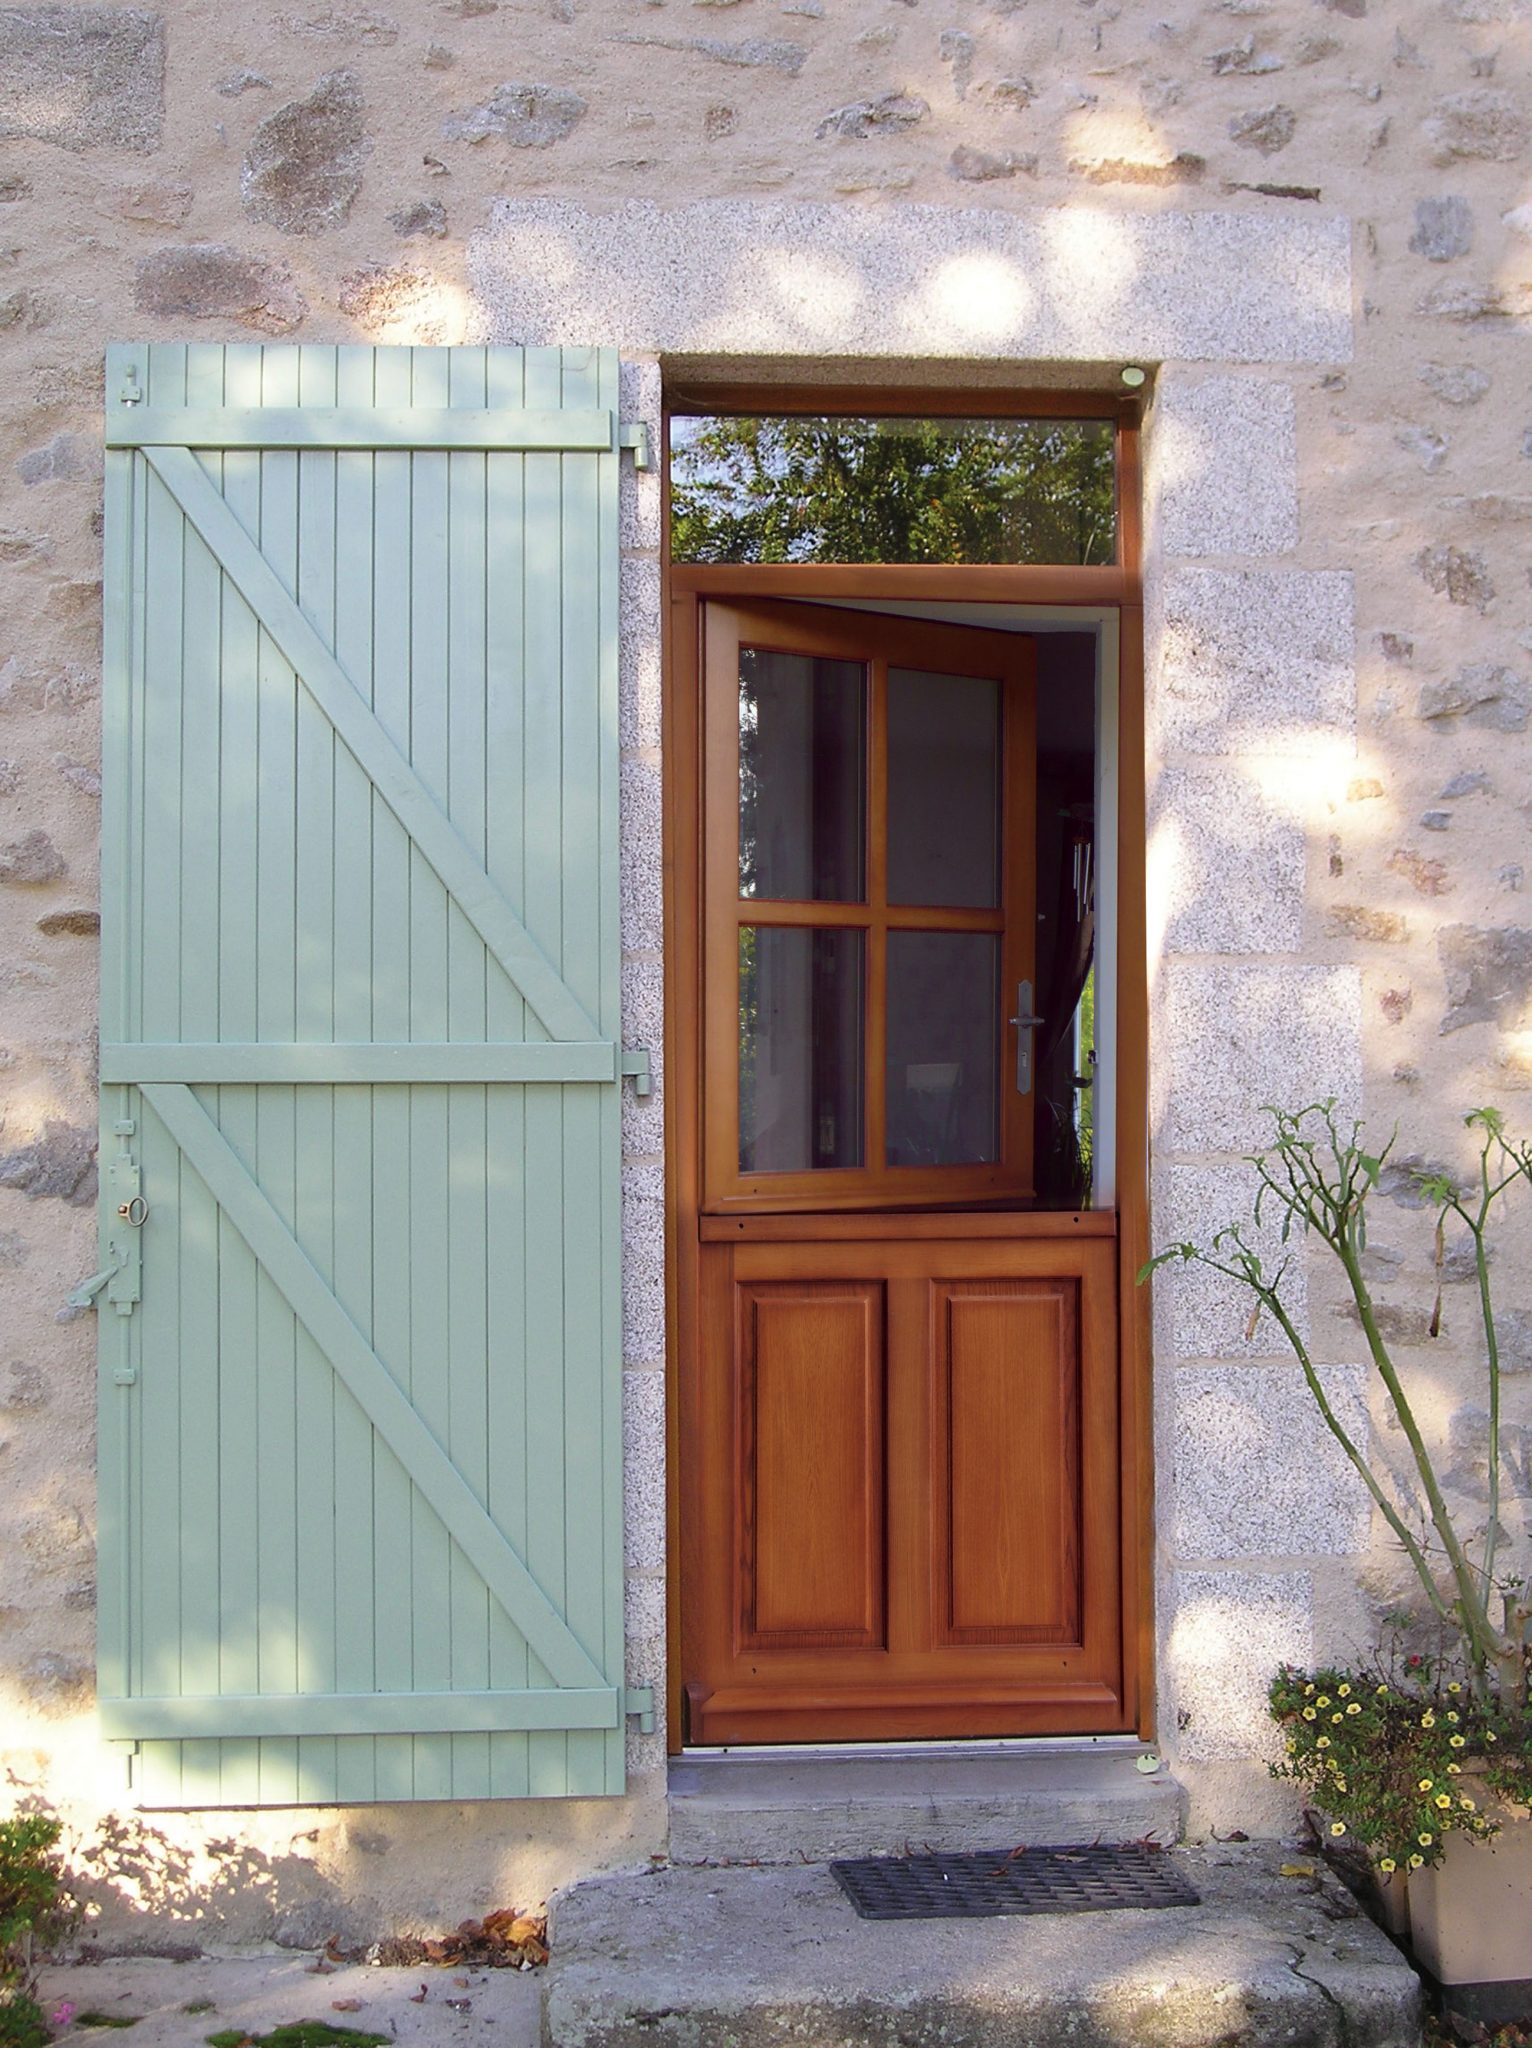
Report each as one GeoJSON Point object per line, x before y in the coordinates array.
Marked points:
{"type": "Point", "coordinates": [753, 1958]}
{"type": "Point", "coordinates": [743, 1807]}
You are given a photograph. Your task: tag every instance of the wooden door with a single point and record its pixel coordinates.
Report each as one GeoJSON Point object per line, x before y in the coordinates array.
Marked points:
{"type": "Point", "coordinates": [899, 1386]}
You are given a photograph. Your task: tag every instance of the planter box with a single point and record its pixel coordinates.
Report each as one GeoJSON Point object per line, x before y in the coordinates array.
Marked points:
{"type": "Point", "coordinates": [1471, 1915]}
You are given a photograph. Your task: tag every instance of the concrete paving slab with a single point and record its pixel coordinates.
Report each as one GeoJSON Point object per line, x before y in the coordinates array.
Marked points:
{"type": "Point", "coordinates": [743, 1958]}
{"type": "Point", "coordinates": [257, 1993]}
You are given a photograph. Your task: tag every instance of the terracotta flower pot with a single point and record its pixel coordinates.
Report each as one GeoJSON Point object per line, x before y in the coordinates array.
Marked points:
{"type": "Point", "coordinates": [1471, 1914]}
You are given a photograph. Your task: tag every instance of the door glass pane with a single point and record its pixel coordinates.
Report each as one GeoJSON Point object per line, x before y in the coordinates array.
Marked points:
{"type": "Point", "coordinates": [802, 775]}
{"type": "Point", "coordinates": [943, 789]}
{"type": "Point", "coordinates": [779, 488]}
{"type": "Point", "coordinates": [800, 1048]}
{"type": "Point", "coordinates": [943, 1048]}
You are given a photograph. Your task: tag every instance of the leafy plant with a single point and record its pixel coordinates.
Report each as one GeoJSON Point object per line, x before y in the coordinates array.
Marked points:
{"type": "Point", "coordinates": [31, 1879]}
{"type": "Point", "coordinates": [1384, 1752]}
{"type": "Point", "coordinates": [1399, 1768]}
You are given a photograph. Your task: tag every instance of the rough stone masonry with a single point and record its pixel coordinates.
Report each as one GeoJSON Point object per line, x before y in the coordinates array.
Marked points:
{"type": "Point", "coordinates": [1339, 500]}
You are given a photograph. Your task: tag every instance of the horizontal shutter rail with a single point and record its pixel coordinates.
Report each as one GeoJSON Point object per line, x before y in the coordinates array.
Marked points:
{"type": "Point", "coordinates": [321, 1062]}
{"type": "Point", "coordinates": [273, 426]}
{"type": "Point", "coordinates": [364, 1713]}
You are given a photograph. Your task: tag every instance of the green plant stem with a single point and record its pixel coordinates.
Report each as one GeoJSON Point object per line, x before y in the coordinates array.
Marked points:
{"type": "Point", "coordinates": [1473, 1611]}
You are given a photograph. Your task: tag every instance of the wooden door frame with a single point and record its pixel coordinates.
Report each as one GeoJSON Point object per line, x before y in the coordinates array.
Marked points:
{"type": "Point", "coordinates": [684, 587]}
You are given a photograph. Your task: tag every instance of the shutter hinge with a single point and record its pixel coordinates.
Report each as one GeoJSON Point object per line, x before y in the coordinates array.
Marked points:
{"type": "Point", "coordinates": [639, 1700]}
{"type": "Point", "coordinates": [636, 436]}
{"type": "Point", "coordinates": [635, 1066]}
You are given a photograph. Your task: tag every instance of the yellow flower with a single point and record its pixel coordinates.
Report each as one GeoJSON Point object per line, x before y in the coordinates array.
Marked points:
{"type": "Point", "coordinates": [1309, 1714]}
{"type": "Point", "coordinates": [1342, 1690]}
{"type": "Point", "coordinates": [1443, 1799]}
{"type": "Point", "coordinates": [1354, 1708]}
{"type": "Point", "coordinates": [1428, 1719]}
{"type": "Point", "coordinates": [1323, 1742]}
{"type": "Point", "coordinates": [1308, 1692]}
{"type": "Point", "coordinates": [1387, 1863]}
{"type": "Point", "coordinates": [1468, 1805]}
{"type": "Point", "coordinates": [1336, 1719]}
{"type": "Point", "coordinates": [1337, 1827]}
{"type": "Point", "coordinates": [1425, 1785]}
{"type": "Point", "coordinates": [1490, 1735]}
{"type": "Point", "coordinates": [1454, 1687]}
{"type": "Point", "coordinates": [1382, 1689]}
{"type": "Point", "coordinates": [1417, 1862]}
{"type": "Point", "coordinates": [1323, 1700]}
{"type": "Point", "coordinates": [1454, 1770]}
{"type": "Point", "coordinates": [1453, 1719]}
{"type": "Point", "coordinates": [1457, 1741]}
{"type": "Point", "coordinates": [1425, 1841]}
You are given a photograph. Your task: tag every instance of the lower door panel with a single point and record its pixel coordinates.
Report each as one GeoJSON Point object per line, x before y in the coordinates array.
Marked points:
{"type": "Point", "coordinates": [902, 1512]}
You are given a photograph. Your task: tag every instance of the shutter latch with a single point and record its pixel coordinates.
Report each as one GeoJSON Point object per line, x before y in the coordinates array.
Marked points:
{"type": "Point", "coordinates": [635, 1066]}
{"type": "Point", "coordinates": [123, 1274]}
{"type": "Point", "coordinates": [639, 1700]}
{"type": "Point", "coordinates": [636, 436]}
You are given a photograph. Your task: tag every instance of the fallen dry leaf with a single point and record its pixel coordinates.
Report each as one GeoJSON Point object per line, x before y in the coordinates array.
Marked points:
{"type": "Point", "coordinates": [345, 2005]}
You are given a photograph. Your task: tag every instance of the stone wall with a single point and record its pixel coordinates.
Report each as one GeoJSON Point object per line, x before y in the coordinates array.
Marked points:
{"type": "Point", "coordinates": [1339, 494]}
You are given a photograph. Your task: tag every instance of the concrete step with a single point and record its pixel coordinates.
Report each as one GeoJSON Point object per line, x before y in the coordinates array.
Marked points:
{"type": "Point", "coordinates": [794, 1808]}
{"type": "Point", "coordinates": [753, 1958]}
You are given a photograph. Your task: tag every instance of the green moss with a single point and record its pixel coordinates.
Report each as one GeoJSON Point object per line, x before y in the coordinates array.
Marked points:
{"type": "Point", "coordinates": [107, 2019]}
{"type": "Point", "coordinates": [299, 2034]}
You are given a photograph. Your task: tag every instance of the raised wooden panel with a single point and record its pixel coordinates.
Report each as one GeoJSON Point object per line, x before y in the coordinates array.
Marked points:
{"type": "Point", "coordinates": [1006, 1456]}
{"type": "Point", "coordinates": [811, 1484]}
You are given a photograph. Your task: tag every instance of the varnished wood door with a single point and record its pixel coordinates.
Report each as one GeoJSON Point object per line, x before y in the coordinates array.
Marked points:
{"type": "Point", "coordinates": [898, 1387]}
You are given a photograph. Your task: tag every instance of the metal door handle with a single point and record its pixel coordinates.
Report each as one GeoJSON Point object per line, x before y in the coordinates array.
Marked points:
{"type": "Point", "coordinates": [1026, 1021]}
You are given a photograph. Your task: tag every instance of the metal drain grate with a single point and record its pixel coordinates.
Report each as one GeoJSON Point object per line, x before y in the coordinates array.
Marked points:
{"type": "Point", "coordinates": [983, 1884]}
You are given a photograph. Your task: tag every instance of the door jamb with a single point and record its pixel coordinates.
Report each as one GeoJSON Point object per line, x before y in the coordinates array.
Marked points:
{"type": "Point", "coordinates": [683, 588]}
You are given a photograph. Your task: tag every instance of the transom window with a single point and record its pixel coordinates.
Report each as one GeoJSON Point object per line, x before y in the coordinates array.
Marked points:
{"type": "Point", "coordinates": [783, 488]}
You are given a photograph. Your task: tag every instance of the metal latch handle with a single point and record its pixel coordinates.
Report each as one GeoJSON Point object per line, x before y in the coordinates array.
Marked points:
{"type": "Point", "coordinates": [1025, 1022]}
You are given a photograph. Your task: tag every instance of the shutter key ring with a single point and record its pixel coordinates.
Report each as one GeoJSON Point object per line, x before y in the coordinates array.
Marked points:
{"type": "Point", "coordinates": [134, 1211]}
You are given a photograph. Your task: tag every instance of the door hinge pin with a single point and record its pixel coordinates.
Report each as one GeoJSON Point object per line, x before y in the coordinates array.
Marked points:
{"type": "Point", "coordinates": [635, 1067]}
{"type": "Point", "coordinates": [636, 436]}
{"type": "Point", "coordinates": [639, 1700]}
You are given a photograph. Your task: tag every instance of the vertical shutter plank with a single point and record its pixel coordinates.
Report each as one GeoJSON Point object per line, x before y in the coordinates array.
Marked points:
{"type": "Point", "coordinates": [197, 783]}
{"type": "Point", "coordinates": [431, 1549]}
{"type": "Point", "coordinates": [581, 859]}
{"type": "Point", "coordinates": [468, 1162]}
{"type": "Point", "coordinates": [394, 967]}
{"type": "Point", "coordinates": [158, 1509]}
{"type": "Point", "coordinates": [542, 838]}
{"type": "Point", "coordinates": [505, 1112]}
{"type": "Point", "coordinates": [355, 1478]}
{"type": "Point", "coordinates": [314, 1166]}
{"type": "Point", "coordinates": [235, 1110]}
{"type": "Point", "coordinates": [275, 1108]}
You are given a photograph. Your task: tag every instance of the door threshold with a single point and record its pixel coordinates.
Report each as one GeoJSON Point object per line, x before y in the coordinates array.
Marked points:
{"type": "Point", "coordinates": [1005, 1745]}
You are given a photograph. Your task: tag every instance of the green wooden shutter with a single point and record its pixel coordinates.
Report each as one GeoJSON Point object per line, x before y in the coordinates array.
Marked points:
{"type": "Point", "coordinates": [360, 1361]}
